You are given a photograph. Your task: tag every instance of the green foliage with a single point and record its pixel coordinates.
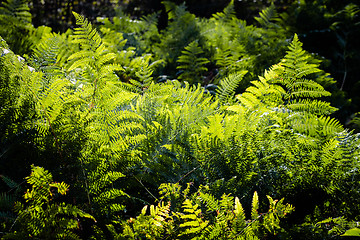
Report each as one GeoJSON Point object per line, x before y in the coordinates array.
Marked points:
{"type": "Point", "coordinates": [40, 217]}
{"type": "Point", "coordinates": [201, 216]}
{"type": "Point", "coordinates": [269, 143]}
{"type": "Point", "coordinates": [354, 232]}
{"type": "Point", "coordinates": [192, 64]}
{"type": "Point", "coordinates": [227, 88]}
{"type": "Point", "coordinates": [7, 201]}
{"type": "Point", "coordinates": [183, 28]}
{"type": "Point", "coordinates": [292, 89]}
{"type": "Point", "coordinates": [96, 107]}
{"type": "Point", "coordinates": [227, 14]}
{"type": "Point", "coordinates": [15, 19]}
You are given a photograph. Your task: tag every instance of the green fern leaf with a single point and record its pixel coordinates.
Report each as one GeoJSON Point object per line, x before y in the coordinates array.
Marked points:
{"type": "Point", "coordinates": [191, 62]}
{"type": "Point", "coordinates": [228, 85]}
{"type": "Point", "coordinates": [267, 15]}
{"type": "Point", "coordinates": [17, 10]}
{"type": "Point", "coordinates": [192, 222]}
{"type": "Point", "coordinates": [227, 14]}
{"type": "Point", "coordinates": [255, 206]}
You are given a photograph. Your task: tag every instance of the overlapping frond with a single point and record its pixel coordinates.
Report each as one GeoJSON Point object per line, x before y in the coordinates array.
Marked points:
{"type": "Point", "coordinates": [47, 54]}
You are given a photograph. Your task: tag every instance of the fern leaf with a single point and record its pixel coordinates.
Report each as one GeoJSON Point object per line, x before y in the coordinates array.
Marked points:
{"type": "Point", "coordinates": [211, 203]}
{"type": "Point", "coordinates": [229, 84]}
{"type": "Point", "coordinates": [239, 210]}
{"type": "Point", "coordinates": [267, 15]}
{"type": "Point", "coordinates": [255, 206]}
{"type": "Point", "coordinates": [329, 125]}
{"type": "Point", "coordinates": [311, 106]}
{"type": "Point", "coordinates": [10, 183]}
{"type": "Point", "coordinates": [47, 54]}
{"type": "Point", "coordinates": [227, 14]}
{"type": "Point", "coordinates": [191, 62]}
{"type": "Point", "coordinates": [192, 222]}
{"type": "Point", "coordinates": [17, 9]}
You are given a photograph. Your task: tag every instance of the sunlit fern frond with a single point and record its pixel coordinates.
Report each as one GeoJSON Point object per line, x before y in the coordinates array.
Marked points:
{"type": "Point", "coordinates": [228, 85]}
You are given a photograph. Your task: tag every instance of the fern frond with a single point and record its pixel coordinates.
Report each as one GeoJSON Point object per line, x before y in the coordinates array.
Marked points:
{"type": "Point", "coordinates": [9, 182]}
{"type": "Point", "coordinates": [267, 16]}
{"type": "Point", "coordinates": [94, 53]}
{"type": "Point", "coordinates": [39, 217]}
{"type": "Point", "coordinates": [331, 150]}
{"type": "Point", "coordinates": [47, 54]}
{"type": "Point", "coordinates": [71, 210]}
{"type": "Point", "coordinates": [6, 203]}
{"type": "Point", "coordinates": [227, 14]}
{"type": "Point", "coordinates": [228, 85]}
{"type": "Point", "coordinates": [193, 223]}
{"type": "Point", "coordinates": [255, 206]}
{"type": "Point", "coordinates": [15, 10]}
{"type": "Point", "coordinates": [192, 63]}
{"type": "Point", "coordinates": [239, 215]}
{"type": "Point", "coordinates": [312, 125]}
{"type": "Point", "coordinates": [102, 179]}
{"type": "Point", "coordinates": [209, 200]}
{"type": "Point", "coordinates": [329, 126]}
{"type": "Point", "coordinates": [262, 93]}
{"type": "Point", "coordinates": [174, 11]}
{"type": "Point", "coordinates": [86, 35]}
{"type": "Point", "coordinates": [315, 107]}
{"type": "Point", "coordinates": [285, 84]}
{"type": "Point", "coordinates": [296, 60]}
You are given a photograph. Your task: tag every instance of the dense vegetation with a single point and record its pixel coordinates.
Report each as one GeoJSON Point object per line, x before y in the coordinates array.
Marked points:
{"type": "Point", "coordinates": [118, 130]}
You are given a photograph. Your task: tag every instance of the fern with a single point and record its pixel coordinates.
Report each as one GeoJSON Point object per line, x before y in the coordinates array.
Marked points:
{"type": "Point", "coordinates": [39, 217]}
{"type": "Point", "coordinates": [227, 14]}
{"type": "Point", "coordinates": [7, 201]}
{"type": "Point", "coordinates": [113, 130]}
{"type": "Point", "coordinates": [15, 19]}
{"type": "Point", "coordinates": [191, 63]}
{"type": "Point", "coordinates": [159, 223]}
{"type": "Point", "coordinates": [267, 16]}
{"type": "Point", "coordinates": [47, 55]}
{"type": "Point", "coordinates": [17, 9]}
{"type": "Point", "coordinates": [228, 86]}
{"type": "Point", "coordinates": [93, 52]}
{"type": "Point", "coordinates": [49, 96]}
{"type": "Point", "coordinates": [104, 196]}
{"type": "Point", "coordinates": [221, 219]}
{"type": "Point", "coordinates": [182, 30]}
{"type": "Point", "coordinates": [193, 224]}
{"type": "Point", "coordinates": [288, 80]}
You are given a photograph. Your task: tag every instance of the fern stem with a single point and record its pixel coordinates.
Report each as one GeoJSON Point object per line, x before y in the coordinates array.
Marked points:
{"type": "Point", "coordinates": [12, 225]}
{"type": "Point", "coordinates": [344, 58]}
{"type": "Point", "coordinates": [16, 186]}
{"type": "Point", "coordinates": [188, 173]}
{"type": "Point", "coordinates": [93, 95]}
{"type": "Point", "coordinates": [344, 77]}
{"type": "Point", "coordinates": [146, 189]}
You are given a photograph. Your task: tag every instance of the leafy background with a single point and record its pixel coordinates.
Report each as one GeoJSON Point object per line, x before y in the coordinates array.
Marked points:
{"type": "Point", "coordinates": [204, 116]}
